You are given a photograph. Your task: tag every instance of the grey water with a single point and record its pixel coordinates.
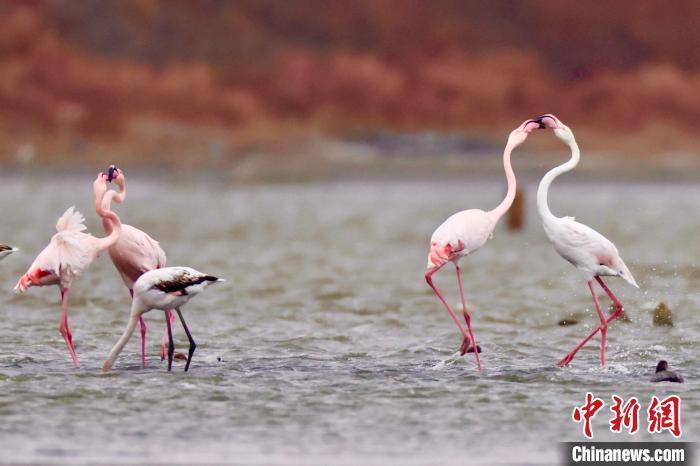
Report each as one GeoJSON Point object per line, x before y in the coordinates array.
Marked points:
{"type": "Point", "coordinates": [325, 345]}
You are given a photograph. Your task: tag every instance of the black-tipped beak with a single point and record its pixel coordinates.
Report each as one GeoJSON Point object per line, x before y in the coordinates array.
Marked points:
{"type": "Point", "coordinates": [539, 121]}
{"type": "Point", "coordinates": [111, 173]}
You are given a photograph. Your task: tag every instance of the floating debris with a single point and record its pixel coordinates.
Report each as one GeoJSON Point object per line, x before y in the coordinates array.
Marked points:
{"type": "Point", "coordinates": [515, 219]}
{"type": "Point", "coordinates": [665, 375]}
{"type": "Point", "coordinates": [662, 315]}
{"type": "Point", "coordinates": [566, 321]}
{"type": "Point", "coordinates": [623, 317]}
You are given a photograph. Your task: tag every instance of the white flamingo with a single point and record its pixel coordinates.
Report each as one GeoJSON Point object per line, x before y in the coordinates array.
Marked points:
{"type": "Point", "coordinates": [468, 230]}
{"type": "Point", "coordinates": [69, 253]}
{"type": "Point", "coordinates": [582, 246]}
{"type": "Point", "coordinates": [165, 288]}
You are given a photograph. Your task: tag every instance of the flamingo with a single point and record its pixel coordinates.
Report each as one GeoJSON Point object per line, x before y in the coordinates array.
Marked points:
{"type": "Point", "coordinates": [135, 252]}
{"type": "Point", "coordinates": [586, 249]}
{"type": "Point", "coordinates": [6, 250]}
{"type": "Point", "coordinates": [69, 253]}
{"type": "Point", "coordinates": [165, 288]}
{"type": "Point", "coordinates": [468, 230]}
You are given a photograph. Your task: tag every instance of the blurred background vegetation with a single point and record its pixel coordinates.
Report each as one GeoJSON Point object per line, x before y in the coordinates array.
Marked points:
{"type": "Point", "coordinates": [212, 82]}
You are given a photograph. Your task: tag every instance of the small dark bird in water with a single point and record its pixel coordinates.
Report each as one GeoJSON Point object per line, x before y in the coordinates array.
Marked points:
{"type": "Point", "coordinates": [463, 350]}
{"type": "Point", "coordinates": [665, 375]}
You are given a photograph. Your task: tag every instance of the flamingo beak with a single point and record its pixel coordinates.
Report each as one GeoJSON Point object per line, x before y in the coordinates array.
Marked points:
{"type": "Point", "coordinates": [111, 173]}
{"type": "Point", "coordinates": [539, 122]}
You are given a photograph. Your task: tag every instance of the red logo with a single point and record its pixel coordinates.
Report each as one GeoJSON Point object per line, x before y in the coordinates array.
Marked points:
{"type": "Point", "coordinates": [665, 415]}
{"type": "Point", "coordinates": [586, 412]}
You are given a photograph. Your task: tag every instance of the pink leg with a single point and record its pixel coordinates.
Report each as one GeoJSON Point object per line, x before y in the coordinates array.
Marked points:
{"type": "Point", "coordinates": [616, 313]}
{"type": "Point", "coordinates": [429, 279]}
{"type": "Point", "coordinates": [165, 341]}
{"type": "Point", "coordinates": [468, 320]}
{"type": "Point", "coordinates": [64, 328]}
{"type": "Point", "coordinates": [144, 329]}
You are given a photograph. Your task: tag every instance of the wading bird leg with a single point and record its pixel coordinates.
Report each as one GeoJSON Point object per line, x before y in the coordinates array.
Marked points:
{"type": "Point", "coordinates": [569, 357]}
{"type": "Point", "coordinates": [171, 344]}
{"type": "Point", "coordinates": [603, 323]}
{"type": "Point", "coordinates": [64, 328]}
{"type": "Point", "coordinates": [164, 341]}
{"type": "Point", "coordinates": [193, 345]}
{"type": "Point", "coordinates": [429, 279]}
{"type": "Point", "coordinates": [616, 314]}
{"type": "Point", "coordinates": [144, 329]}
{"type": "Point", "coordinates": [468, 320]}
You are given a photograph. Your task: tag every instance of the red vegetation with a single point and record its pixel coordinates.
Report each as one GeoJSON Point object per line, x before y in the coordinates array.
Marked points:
{"type": "Point", "coordinates": [344, 67]}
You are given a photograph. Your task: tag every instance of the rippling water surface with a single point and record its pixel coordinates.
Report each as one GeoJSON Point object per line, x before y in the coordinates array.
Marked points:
{"type": "Point", "coordinates": [325, 345]}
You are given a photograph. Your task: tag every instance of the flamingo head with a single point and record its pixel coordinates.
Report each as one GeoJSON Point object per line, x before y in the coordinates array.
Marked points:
{"type": "Point", "coordinates": [519, 134]}
{"type": "Point", "coordinates": [115, 174]}
{"type": "Point", "coordinates": [100, 184]}
{"type": "Point", "coordinates": [560, 129]}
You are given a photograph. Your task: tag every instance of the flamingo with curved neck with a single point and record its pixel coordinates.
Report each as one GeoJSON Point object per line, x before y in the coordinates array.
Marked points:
{"type": "Point", "coordinates": [69, 253]}
{"type": "Point", "coordinates": [586, 249]}
{"type": "Point", "coordinates": [134, 253]}
{"type": "Point", "coordinates": [468, 230]}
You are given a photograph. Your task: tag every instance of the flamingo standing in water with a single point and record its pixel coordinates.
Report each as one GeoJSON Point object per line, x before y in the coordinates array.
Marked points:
{"type": "Point", "coordinates": [468, 230]}
{"type": "Point", "coordinates": [69, 253]}
{"type": "Point", "coordinates": [166, 288]}
{"type": "Point", "coordinates": [582, 246]}
{"type": "Point", "coordinates": [135, 252]}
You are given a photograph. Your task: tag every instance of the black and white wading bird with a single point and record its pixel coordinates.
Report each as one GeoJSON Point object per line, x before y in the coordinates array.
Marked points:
{"type": "Point", "coordinates": [163, 289]}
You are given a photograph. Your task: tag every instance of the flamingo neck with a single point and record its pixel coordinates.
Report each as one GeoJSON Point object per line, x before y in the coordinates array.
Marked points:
{"type": "Point", "coordinates": [503, 207]}
{"type": "Point", "coordinates": [104, 203]}
{"type": "Point", "coordinates": [543, 189]}
{"type": "Point", "coordinates": [113, 236]}
{"type": "Point", "coordinates": [136, 311]}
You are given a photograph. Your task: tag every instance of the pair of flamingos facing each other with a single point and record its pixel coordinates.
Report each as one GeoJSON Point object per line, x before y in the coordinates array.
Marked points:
{"type": "Point", "coordinates": [589, 251]}
{"type": "Point", "coordinates": [137, 257]}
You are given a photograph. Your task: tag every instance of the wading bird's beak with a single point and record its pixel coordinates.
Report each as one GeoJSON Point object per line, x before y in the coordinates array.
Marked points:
{"type": "Point", "coordinates": [111, 173]}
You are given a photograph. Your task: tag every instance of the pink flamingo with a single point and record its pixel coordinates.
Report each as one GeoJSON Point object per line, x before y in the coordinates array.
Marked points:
{"type": "Point", "coordinates": [69, 253]}
{"type": "Point", "coordinates": [467, 231]}
{"type": "Point", "coordinates": [134, 253]}
{"type": "Point", "coordinates": [586, 249]}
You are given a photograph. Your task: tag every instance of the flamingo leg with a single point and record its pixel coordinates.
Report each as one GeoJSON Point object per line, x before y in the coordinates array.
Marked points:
{"type": "Point", "coordinates": [468, 320]}
{"type": "Point", "coordinates": [64, 328]}
{"type": "Point", "coordinates": [171, 344]}
{"type": "Point", "coordinates": [429, 279]}
{"type": "Point", "coordinates": [616, 313]}
{"type": "Point", "coordinates": [193, 345]}
{"type": "Point", "coordinates": [164, 341]}
{"type": "Point", "coordinates": [144, 329]}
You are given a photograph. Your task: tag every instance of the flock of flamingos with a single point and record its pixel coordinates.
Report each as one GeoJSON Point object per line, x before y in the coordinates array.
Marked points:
{"type": "Point", "coordinates": [141, 262]}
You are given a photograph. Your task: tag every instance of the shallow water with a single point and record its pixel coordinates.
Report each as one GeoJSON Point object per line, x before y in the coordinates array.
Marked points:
{"type": "Point", "coordinates": [325, 345]}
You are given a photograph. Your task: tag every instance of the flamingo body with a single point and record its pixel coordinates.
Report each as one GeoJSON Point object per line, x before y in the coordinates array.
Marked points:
{"type": "Point", "coordinates": [69, 252]}
{"type": "Point", "coordinates": [460, 235]}
{"type": "Point", "coordinates": [586, 249]}
{"type": "Point", "coordinates": [134, 254]}
{"type": "Point", "coordinates": [165, 288]}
